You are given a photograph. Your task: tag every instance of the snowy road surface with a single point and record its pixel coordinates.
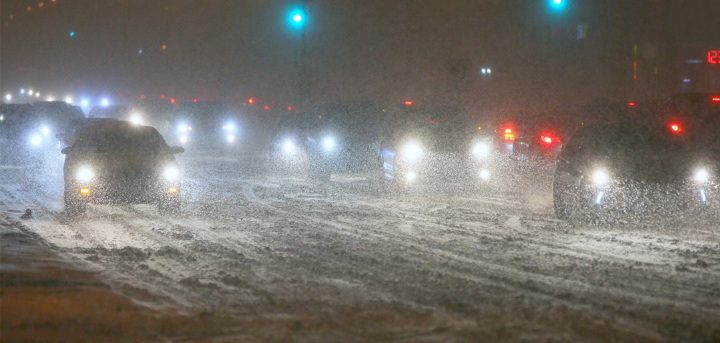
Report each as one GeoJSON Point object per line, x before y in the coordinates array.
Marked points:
{"type": "Point", "coordinates": [447, 265]}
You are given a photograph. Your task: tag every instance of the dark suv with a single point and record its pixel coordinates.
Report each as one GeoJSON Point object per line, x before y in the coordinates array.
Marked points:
{"type": "Point", "coordinates": [121, 162]}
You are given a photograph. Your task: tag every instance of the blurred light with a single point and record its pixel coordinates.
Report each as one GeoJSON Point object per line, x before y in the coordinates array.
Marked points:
{"type": "Point", "coordinates": [703, 197]}
{"type": "Point", "coordinates": [599, 177]}
{"type": "Point", "coordinates": [171, 173]}
{"type": "Point", "coordinates": [412, 151]}
{"type": "Point", "coordinates": [508, 131]}
{"type": "Point", "coordinates": [142, 96]}
{"type": "Point", "coordinates": [329, 143]}
{"type": "Point", "coordinates": [631, 104]}
{"type": "Point", "coordinates": [484, 71]}
{"type": "Point", "coordinates": [30, 92]}
{"type": "Point", "coordinates": [701, 176]}
{"type": "Point", "coordinates": [194, 100]}
{"type": "Point", "coordinates": [686, 80]}
{"type": "Point", "coordinates": [230, 138]}
{"type": "Point", "coordinates": [45, 130]}
{"type": "Point", "coordinates": [489, 71]}
{"type": "Point", "coordinates": [289, 108]}
{"type": "Point", "coordinates": [509, 136]}
{"type": "Point", "coordinates": [598, 199]}
{"type": "Point", "coordinates": [408, 103]}
{"type": "Point", "coordinates": [36, 140]}
{"type": "Point", "coordinates": [2, 117]}
{"type": "Point", "coordinates": [68, 100]}
{"type": "Point", "coordinates": [22, 90]}
{"type": "Point", "coordinates": [164, 47]}
{"type": "Point", "coordinates": [8, 97]}
{"type": "Point", "coordinates": [485, 174]}
{"type": "Point", "coordinates": [481, 149]}
{"type": "Point", "coordinates": [85, 191]}
{"type": "Point", "coordinates": [84, 103]}
{"type": "Point", "coordinates": [267, 108]}
{"type": "Point", "coordinates": [675, 127]}
{"type": "Point", "coordinates": [410, 176]}
{"type": "Point", "coordinates": [183, 139]}
{"type": "Point", "coordinates": [72, 33]}
{"type": "Point", "coordinates": [297, 18]}
{"type": "Point", "coordinates": [716, 99]}
{"type": "Point", "coordinates": [288, 146]}
{"type": "Point", "coordinates": [162, 97]}
{"type": "Point", "coordinates": [105, 102]}
{"type": "Point", "coordinates": [172, 190]}
{"type": "Point", "coordinates": [37, 95]}
{"type": "Point", "coordinates": [136, 119]}
{"type": "Point", "coordinates": [172, 101]}
{"type": "Point", "coordinates": [50, 98]}
{"type": "Point", "coordinates": [140, 51]}
{"type": "Point", "coordinates": [84, 174]}
{"type": "Point", "coordinates": [190, 128]}
{"type": "Point", "coordinates": [229, 127]}
{"type": "Point", "coordinates": [250, 101]}
{"type": "Point", "coordinates": [557, 2]}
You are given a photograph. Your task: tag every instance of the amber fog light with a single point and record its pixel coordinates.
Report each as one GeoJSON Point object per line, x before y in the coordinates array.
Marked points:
{"type": "Point", "coordinates": [172, 190]}
{"type": "Point", "coordinates": [85, 191]}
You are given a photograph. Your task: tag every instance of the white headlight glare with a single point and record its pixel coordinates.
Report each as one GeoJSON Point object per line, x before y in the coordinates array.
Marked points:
{"type": "Point", "coordinates": [288, 146]}
{"type": "Point", "coordinates": [171, 173]}
{"type": "Point", "coordinates": [229, 127]}
{"type": "Point", "coordinates": [84, 174]}
{"type": "Point", "coordinates": [481, 149]}
{"type": "Point", "coordinates": [599, 177]}
{"type": "Point", "coordinates": [412, 151]}
{"type": "Point", "coordinates": [485, 174]}
{"type": "Point", "coordinates": [328, 143]}
{"type": "Point", "coordinates": [410, 176]}
{"type": "Point", "coordinates": [136, 119]}
{"type": "Point", "coordinates": [36, 140]}
{"type": "Point", "coordinates": [701, 175]}
{"type": "Point", "coordinates": [45, 130]}
{"type": "Point", "coordinates": [182, 128]}
{"type": "Point", "coordinates": [183, 139]}
{"type": "Point", "coordinates": [230, 138]}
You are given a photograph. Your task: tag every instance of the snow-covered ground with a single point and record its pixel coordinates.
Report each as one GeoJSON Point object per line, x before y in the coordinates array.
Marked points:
{"type": "Point", "coordinates": [477, 264]}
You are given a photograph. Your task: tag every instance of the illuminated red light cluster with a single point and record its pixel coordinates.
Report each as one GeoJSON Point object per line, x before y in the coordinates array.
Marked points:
{"type": "Point", "coordinates": [408, 103]}
{"type": "Point", "coordinates": [714, 56]}
{"type": "Point", "coordinates": [631, 104]}
{"type": "Point", "coordinates": [716, 99]}
{"type": "Point", "coordinates": [675, 127]}
{"type": "Point", "coordinates": [509, 135]}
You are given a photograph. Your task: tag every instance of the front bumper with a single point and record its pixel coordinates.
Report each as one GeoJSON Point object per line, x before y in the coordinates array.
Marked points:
{"type": "Point", "coordinates": [644, 198]}
{"type": "Point", "coordinates": [439, 168]}
{"type": "Point", "coordinates": [124, 191]}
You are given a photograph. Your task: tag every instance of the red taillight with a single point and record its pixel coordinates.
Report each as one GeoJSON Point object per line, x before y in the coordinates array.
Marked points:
{"type": "Point", "coordinates": [631, 104]}
{"type": "Point", "coordinates": [509, 136]}
{"type": "Point", "coordinates": [408, 103]}
{"type": "Point", "coordinates": [716, 99]}
{"type": "Point", "coordinates": [676, 128]}
{"type": "Point", "coordinates": [546, 139]}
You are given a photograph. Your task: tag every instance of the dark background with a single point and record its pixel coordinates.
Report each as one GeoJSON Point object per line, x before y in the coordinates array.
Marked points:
{"type": "Point", "coordinates": [426, 51]}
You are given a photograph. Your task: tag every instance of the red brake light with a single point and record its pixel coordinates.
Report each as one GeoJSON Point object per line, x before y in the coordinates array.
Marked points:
{"type": "Point", "coordinates": [509, 136]}
{"type": "Point", "coordinates": [546, 139]}
{"type": "Point", "coordinates": [631, 104]}
{"type": "Point", "coordinates": [675, 128]}
{"type": "Point", "coordinates": [408, 103]}
{"type": "Point", "coordinates": [716, 99]}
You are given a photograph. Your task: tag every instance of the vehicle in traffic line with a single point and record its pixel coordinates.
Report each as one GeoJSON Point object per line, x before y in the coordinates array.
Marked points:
{"type": "Point", "coordinates": [542, 136]}
{"type": "Point", "coordinates": [333, 137]}
{"type": "Point", "coordinates": [435, 144]}
{"type": "Point", "coordinates": [647, 168]}
{"type": "Point", "coordinates": [204, 125]}
{"type": "Point", "coordinates": [113, 161]}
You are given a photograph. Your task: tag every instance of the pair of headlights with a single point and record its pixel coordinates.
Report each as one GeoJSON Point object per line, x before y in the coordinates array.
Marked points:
{"type": "Point", "coordinates": [87, 174]}
{"type": "Point", "coordinates": [600, 177]}
{"type": "Point", "coordinates": [413, 151]}
{"type": "Point", "coordinates": [328, 144]}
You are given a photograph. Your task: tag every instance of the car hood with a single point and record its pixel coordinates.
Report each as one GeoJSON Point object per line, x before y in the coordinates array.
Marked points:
{"type": "Point", "coordinates": [123, 161]}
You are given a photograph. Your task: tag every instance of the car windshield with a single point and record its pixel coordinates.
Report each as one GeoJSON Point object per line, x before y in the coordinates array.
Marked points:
{"type": "Point", "coordinates": [120, 141]}
{"type": "Point", "coordinates": [360, 171]}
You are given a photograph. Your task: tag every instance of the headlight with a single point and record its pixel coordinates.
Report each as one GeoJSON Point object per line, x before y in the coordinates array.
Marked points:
{"type": "Point", "coordinates": [36, 140]}
{"type": "Point", "coordinates": [136, 119]}
{"type": "Point", "coordinates": [229, 127]}
{"type": "Point", "coordinates": [701, 175]}
{"type": "Point", "coordinates": [288, 146]}
{"type": "Point", "coordinates": [84, 174]}
{"type": "Point", "coordinates": [328, 143]}
{"type": "Point", "coordinates": [599, 177]}
{"type": "Point", "coordinates": [230, 138]}
{"type": "Point", "coordinates": [481, 149]}
{"type": "Point", "coordinates": [412, 151]}
{"type": "Point", "coordinates": [45, 130]}
{"type": "Point", "coordinates": [183, 128]}
{"type": "Point", "coordinates": [171, 173]}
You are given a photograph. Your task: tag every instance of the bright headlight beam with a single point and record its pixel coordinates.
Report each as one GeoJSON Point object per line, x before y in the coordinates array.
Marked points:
{"type": "Point", "coordinates": [171, 173]}
{"type": "Point", "coordinates": [600, 177]}
{"type": "Point", "coordinates": [84, 174]}
{"type": "Point", "coordinates": [36, 140]}
{"type": "Point", "coordinates": [481, 149]}
{"type": "Point", "coordinates": [288, 146]}
{"type": "Point", "coordinates": [412, 151]}
{"type": "Point", "coordinates": [136, 119]}
{"type": "Point", "coordinates": [701, 176]}
{"type": "Point", "coordinates": [328, 143]}
{"type": "Point", "coordinates": [230, 138]}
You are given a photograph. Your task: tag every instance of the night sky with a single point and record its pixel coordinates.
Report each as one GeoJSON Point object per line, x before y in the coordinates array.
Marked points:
{"type": "Point", "coordinates": [430, 51]}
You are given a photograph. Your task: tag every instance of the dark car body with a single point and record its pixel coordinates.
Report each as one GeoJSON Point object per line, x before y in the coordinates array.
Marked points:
{"type": "Point", "coordinates": [334, 137]}
{"type": "Point", "coordinates": [205, 125]}
{"type": "Point", "coordinates": [640, 168]}
{"type": "Point", "coordinates": [435, 144]}
{"type": "Point", "coordinates": [116, 161]}
{"type": "Point", "coordinates": [35, 133]}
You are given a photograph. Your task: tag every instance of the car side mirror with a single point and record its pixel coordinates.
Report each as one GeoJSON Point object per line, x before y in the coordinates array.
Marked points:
{"type": "Point", "coordinates": [177, 150]}
{"type": "Point", "coordinates": [66, 150]}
